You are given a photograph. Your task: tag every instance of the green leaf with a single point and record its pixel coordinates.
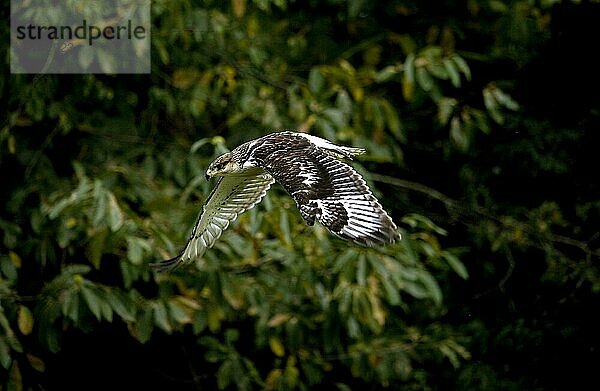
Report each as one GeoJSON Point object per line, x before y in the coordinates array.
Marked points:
{"type": "Point", "coordinates": [276, 346]}
{"type": "Point", "coordinates": [437, 69]}
{"type": "Point", "coordinates": [316, 81]}
{"type": "Point", "coordinates": [413, 289]}
{"type": "Point", "coordinates": [144, 325]}
{"type": "Point", "coordinates": [336, 117]}
{"type": "Point", "coordinates": [231, 336]}
{"type": "Point", "coordinates": [214, 316]}
{"type": "Point", "coordinates": [96, 247]}
{"type": "Point", "coordinates": [450, 355]}
{"type": "Point", "coordinates": [284, 225]}
{"type": "Point", "coordinates": [8, 268]}
{"type": "Point", "coordinates": [492, 106]}
{"type": "Point", "coordinates": [291, 373]}
{"type": "Point", "coordinates": [256, 219]}
{"type": "Point", "coordinates": [504, 99]}
{"type": "Point", "coordinates": [392, 120]}
{"type": "Point", "coordinates": [36, 363]}
{"type": "Point", "coordinates": [75, 269]}
{"type": "Point", "coordinates": [378, 265]}
{"type": "Point", "coordinates": [115, 215]}
{"type": "Point", "coordinates": [480, 120]}
{"type": "Point", "coordinates": [178, 312]}
{"type": "Point", "coordinates": [456, 265]}
{"type": "Point", "coordinates": [93, 301]}
{"type": "Point", "coordinates": [424, 79]}
{"type": "Point", "coordinates": [325, 127]}
{"type": "Point", "coordinates": [100, 204]}
{"type": "Point", "coordinates": [5, 358]}
{"type": "Point", "coordinates": [128, 273]}
{"type": "Point", "coordinates": [353, 327]}
{"type": "Point", "coordinates": [70, 306]}
{"type": "Point", "coordinates": [343, 102]}
{"type": "Point", "coordinates": [80, 173]}
{"type": "Point", "coordinates": [462, 66]}
{"type": "Point", "coordinates": [77, 196]}
{"type": "Point", "coordinates": [498, 6]}
{"type": "Point", "coordinates": [446, 107]}
{"type": "Point", "coordinates": [271, 115]}
{"type": "Point", "coordinates": [105, 308]}
{"type": "Point", "coordinates": [121, 304]}
{"type": "Point", "coordinates": [387, 73]}
{"type": "Point", "coordinates": [345, 300]}
{"type": "Point", "coordinates": [199, 322]}
{"type": "Point", "coordinates": [391, 292]}
{"type": "Point", "coordinates": [135, 251]}
{"type": "Point", "coordinates": [25, 320]}
{"type": "Point", "coordinates": [257, 55]}
{"type": "Point", "coordinates": [342, 387]}
{"type": "Point", "coordinates": [225, 374]}
{"type": "Point", "coordinates": [361, 270]}
{"type": "Point", "coordinates": [431, 52]}
{"type": "Point", "coordinates": [417, 220]}
{"type": "Point", "coordinates": [297, 107]}
{"type": "Point", "coordinates": [15, 259]}
{"type": "Point", "coordinates": [161, 318]}
{"type": "Point", "coordinates": [374, 113]}
{"type": "Point", "coordinates": [452, 71]}
{"type": "Point", "coordinates": [51, 338]}
{"type": "Point", "coordinates": [431, 285]}
{"type": "Point", "coordinates": [458, 135]}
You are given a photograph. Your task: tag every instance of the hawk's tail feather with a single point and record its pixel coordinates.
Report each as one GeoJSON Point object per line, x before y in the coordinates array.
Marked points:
{"type": "Point", "coordinates": [370, 237]}
{"type": "Point", "coordinates": [363, 222]}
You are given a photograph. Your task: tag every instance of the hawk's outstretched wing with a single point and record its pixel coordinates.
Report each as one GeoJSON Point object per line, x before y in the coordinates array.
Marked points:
{"type": "Point", "coordinates": [325, 189]}
{"type": "Point", "coordinates": [232, 196]}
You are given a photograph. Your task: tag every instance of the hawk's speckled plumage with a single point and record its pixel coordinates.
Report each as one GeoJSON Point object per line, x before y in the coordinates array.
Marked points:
{"type": "Point", "coordinates": [324, 188]}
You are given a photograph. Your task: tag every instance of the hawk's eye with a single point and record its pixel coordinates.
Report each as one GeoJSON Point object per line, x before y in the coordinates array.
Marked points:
{"type": "Point", "coordinates": [218, 166]}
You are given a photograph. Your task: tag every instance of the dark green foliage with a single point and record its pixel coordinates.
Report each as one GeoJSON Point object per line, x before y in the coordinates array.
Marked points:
{"type": "Point", "coordinates": [477, 144]}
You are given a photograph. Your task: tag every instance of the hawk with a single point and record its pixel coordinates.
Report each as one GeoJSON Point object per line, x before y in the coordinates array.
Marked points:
{"type": "Point", "coordinates": [308, 167]}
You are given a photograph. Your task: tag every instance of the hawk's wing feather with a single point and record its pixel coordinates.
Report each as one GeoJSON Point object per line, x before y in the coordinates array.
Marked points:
{"type": "Point", "coordinates": [338, 151]}
{"type": "Point", "coordinates": [325, 189]}
{"type": "Point", "coordinates": [231, 196]}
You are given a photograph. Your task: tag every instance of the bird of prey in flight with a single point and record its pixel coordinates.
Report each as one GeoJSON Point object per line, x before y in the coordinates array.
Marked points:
{"type": "Point", "coordinates": [308, 167]}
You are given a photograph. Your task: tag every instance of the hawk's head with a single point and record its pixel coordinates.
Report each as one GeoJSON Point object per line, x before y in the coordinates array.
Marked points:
{"type": "Point", "coordinates": [223, 165]}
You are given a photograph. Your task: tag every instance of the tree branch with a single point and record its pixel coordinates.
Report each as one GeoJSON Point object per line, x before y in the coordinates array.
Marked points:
{"type": "Point", "coordinates": [456, 209]}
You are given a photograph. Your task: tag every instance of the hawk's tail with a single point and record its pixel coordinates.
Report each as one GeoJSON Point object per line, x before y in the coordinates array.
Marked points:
{"type": "Point", "coordinates": [361, 221]}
